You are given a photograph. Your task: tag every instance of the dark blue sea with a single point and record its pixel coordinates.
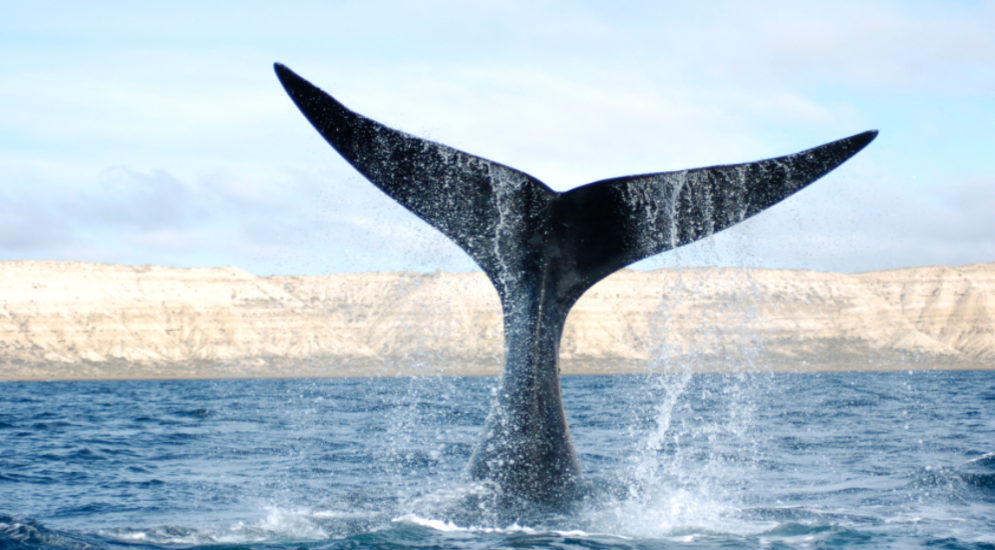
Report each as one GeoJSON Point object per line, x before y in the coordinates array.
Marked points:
{"type": "Point", "coordinates": [821, 460]}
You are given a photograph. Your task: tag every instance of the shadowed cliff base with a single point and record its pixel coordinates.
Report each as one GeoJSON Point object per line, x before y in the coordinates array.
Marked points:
{"type": "Point", "coordinates": [71, 320]}
{"type": "Point", "coordinates": [339, 368]}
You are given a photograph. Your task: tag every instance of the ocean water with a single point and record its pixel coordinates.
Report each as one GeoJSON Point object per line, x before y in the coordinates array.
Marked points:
{"type": "Point", "coordinates": [820, 460]}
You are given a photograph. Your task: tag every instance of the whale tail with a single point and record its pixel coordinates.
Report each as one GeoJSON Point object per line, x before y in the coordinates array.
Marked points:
{"type": "Point", "coordinates": [542, 249]}
{"type": "Point", "coordinates": [597, 228]}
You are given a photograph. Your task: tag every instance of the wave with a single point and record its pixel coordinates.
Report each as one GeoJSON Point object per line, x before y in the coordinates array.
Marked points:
{"type": "Point", "coordinates": [958, 484]}
{"type": "Point", "coordinates": [28, 534]}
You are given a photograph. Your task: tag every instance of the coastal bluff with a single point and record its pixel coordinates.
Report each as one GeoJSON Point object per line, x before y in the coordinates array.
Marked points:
{"type": "Point", "coordinates": [74, 320]}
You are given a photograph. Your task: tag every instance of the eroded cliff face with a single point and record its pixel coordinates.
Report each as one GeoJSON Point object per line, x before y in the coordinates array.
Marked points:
{"type": "Point", "coordinates": [81, 320]}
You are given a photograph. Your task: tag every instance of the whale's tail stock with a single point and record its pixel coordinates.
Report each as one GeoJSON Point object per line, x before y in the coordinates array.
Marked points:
{"type": "Point", "coordinates": [542, 249]}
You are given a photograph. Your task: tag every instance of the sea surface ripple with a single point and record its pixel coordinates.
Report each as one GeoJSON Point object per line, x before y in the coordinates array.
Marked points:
{"type": "Point", "coordinates": [817, 460]}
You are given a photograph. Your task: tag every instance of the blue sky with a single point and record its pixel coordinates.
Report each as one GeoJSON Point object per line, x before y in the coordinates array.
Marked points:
{"type": "Point", "coordinates": [156, 133]}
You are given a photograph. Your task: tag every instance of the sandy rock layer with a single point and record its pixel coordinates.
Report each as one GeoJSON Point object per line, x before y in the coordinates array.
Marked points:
{"type": "Point", "coordinates": [67, 320]}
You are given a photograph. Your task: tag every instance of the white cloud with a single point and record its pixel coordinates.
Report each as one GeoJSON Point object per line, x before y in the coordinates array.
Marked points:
{"type": "Point", "coordinates": [211, 163]}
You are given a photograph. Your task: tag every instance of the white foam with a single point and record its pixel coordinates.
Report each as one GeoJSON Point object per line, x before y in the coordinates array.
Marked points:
{"type": "Point", "coordinates": [339, 514]}
{"type": "Point", "coordinates": [295, 524]}
{"type": "Point", "coordinates": [984, 457]}
{"type": "Point", "coordinates": [447, 526]}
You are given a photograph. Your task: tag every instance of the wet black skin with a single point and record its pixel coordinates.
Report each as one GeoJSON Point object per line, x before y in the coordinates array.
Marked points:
{"type": "Point", "coordinates": [542, 249]}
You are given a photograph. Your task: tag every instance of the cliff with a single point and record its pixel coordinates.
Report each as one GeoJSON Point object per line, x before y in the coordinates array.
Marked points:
{"type": "Point", "coordinates": [82, 320]}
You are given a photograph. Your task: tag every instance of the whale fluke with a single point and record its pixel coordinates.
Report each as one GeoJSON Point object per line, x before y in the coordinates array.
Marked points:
{"type": "Point", "coordinates": [542, 249]}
